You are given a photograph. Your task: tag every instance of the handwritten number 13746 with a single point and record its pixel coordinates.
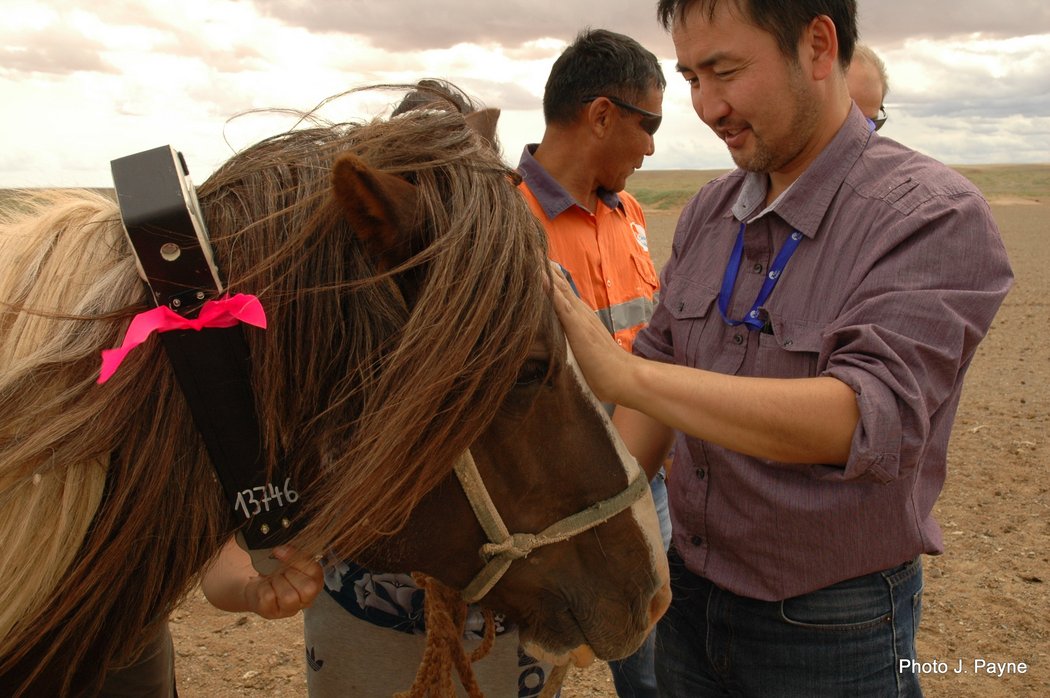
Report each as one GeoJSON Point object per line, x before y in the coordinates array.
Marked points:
{"type": "Point", "coordinates": [255, 500]}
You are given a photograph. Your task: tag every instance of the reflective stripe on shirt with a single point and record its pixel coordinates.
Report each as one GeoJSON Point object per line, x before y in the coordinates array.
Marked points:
{"type": "Point", "coordinates": [629, 315]}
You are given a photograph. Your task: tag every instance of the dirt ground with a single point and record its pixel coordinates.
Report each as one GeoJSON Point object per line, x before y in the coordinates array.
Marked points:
{"type": "Point", "coordinates": [986, 598]}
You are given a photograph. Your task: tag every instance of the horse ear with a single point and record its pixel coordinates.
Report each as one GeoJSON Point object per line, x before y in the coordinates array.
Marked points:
{"type": "Point", "coordinates": [483, 121]}
{"type": "Point", "coordinates": [382, 209]}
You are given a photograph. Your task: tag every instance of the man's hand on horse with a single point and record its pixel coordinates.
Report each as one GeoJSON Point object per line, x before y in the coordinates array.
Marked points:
{"type": "Point", "coordinates": [604, 363]}
{"type": "Point", "coordinates": [231, 582]}
{"type": "Point", "coordinates": [288, 590]}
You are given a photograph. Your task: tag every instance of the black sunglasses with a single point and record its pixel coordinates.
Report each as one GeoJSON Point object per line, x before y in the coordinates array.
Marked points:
{"type": "Point", "coordinates": [650, 121]}
{"type": "Point", "coordinates": [880, 118]}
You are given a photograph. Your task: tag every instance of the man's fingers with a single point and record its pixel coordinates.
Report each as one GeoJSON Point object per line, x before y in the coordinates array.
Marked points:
{"type": "Point", "coordinates": [296, 559]}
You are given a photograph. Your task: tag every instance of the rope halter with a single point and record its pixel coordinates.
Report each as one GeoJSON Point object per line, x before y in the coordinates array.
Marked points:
{"type": "Point", "coordinates": [504, 547]}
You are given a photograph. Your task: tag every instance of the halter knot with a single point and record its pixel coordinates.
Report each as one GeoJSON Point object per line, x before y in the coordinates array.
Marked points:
{"type": "Point", "coordinates": [505, 547]}
{"type": "Point", "coordinates": [516, 547]}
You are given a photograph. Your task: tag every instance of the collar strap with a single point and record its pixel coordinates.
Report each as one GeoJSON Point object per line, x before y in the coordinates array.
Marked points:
{"type": "Point", "coordinates": [210, 357]}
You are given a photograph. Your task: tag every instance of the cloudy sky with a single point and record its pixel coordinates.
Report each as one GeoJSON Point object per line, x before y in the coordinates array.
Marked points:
{"type": "Point", "coordinates": [84, 83]}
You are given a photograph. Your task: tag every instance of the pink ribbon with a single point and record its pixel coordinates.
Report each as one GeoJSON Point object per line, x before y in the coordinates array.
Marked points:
{"type": "Point", "coordinates": [225, 312]}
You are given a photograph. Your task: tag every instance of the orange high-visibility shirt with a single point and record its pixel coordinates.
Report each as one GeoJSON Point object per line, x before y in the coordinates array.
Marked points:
{"type": "Point", "coordinates": [606, 252]}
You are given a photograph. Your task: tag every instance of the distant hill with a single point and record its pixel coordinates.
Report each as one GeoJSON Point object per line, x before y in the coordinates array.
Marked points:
{"type": "Point", "coordinates": [671, 189]}
{"type": "Point", "coordinates": [995, 181]}
{"type": "Point", "coordinates": [668, 189]}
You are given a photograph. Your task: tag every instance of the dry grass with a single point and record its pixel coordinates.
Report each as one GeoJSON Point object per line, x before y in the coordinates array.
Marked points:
{"type": "Point", "coordinates": [671, 189]}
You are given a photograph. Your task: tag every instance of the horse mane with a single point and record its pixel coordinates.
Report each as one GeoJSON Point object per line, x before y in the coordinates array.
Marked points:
{"type": "Point", "coordinates": [76, 460]}
{"type": "Point", "coordinates": [107, 493]}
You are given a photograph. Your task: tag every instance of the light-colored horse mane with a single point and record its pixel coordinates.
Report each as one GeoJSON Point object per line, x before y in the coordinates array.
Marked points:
{"type": "Point", "coordinates": [107, 497]}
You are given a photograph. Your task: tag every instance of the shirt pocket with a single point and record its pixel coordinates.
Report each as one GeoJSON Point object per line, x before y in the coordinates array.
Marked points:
{"type": "Point", "coordinates": [643, 264]}
{"type": "Point", "coordinates": [791, 351]}
{"type": "Point", "coordinates": [690, 306]}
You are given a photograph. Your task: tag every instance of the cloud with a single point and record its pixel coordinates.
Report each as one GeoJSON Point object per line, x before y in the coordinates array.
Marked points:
{"type": "Point", "coordinates": [961, 78]}
{"type": "Point", "coordinates": [506, 96]}
{"type": "Point", "coordinates": [976, 139]}
{"type": "Point", "coordinates": [81, 83]}
{"type": "Point", "coordinates": [54, 50]}
{"type": "Point", "coordinates": [68, 39]}
{"type": "Point", "coordinates": [416, 25]}
{"type": "Point", "coordinates": [890, 23]}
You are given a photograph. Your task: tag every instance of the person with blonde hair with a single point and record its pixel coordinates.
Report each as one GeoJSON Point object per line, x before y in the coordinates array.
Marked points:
{"type": "Point", "coordinates": [868, 84]}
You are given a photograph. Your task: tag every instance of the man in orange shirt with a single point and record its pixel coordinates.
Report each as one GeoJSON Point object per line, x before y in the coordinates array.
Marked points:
{"type": "Point", "coordinates": [602, 106]}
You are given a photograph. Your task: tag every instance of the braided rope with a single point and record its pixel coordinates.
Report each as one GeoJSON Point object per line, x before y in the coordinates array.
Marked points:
{"type": "Point", "coordinates": [446, 616]}
{"type": "Point", "coordinates": [554, 681]}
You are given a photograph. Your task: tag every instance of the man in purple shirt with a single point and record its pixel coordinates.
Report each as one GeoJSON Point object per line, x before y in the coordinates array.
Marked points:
{"type": "Point", "coordinates": [819, 311]}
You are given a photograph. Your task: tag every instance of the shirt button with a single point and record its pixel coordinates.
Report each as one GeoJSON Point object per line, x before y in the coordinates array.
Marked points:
{"type": "Point", "coordinates": [620, 342]}
{"type": "Point", "coordinates": [696, 540]}
{"type": "Point", "coordinates": [738, 339]}
{"type": "Point", "coordinates": [757, 268]}
{"type": "Point", "coordinates": [608, 282]}
{"type": "Point", "coordinates": [700, 473]}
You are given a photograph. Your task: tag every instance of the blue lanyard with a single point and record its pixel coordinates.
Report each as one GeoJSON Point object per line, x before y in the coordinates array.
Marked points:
{"type": "Point", "coordinates": [752, 319]}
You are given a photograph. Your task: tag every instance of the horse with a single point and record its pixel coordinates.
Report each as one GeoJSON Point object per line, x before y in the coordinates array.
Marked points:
{"type": "Point", "coordinates": [409, 330]}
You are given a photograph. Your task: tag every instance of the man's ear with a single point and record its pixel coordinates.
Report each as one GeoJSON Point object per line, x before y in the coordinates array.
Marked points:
{"type": "Point", "coordinates": [819, 47]}
{"type": "Point", "coordinates": [598, 114]}
{"type": "Point", "coordinates": [383, 210]}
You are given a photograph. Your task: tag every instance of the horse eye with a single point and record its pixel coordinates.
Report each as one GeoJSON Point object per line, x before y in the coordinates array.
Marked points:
{"type": "Point", "coordinates": [533, 372]}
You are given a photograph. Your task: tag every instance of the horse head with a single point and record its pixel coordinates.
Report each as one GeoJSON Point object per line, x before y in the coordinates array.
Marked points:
{"type": "Point", "coordinates": [546, 455]}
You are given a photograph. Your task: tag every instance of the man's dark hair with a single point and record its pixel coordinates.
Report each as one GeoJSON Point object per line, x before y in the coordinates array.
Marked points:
{"type": "Point", "coordinates": [784, 19]}
{"type": "Point", "coordinates": [599, 63]}
{"type": "Point", "coordinates": [435, 94]}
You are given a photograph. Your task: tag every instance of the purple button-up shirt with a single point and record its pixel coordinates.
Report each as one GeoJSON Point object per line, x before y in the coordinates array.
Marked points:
{"type": "Point", "coordinates": [897, 278]}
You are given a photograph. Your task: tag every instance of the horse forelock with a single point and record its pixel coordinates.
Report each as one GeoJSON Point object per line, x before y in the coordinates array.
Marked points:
{"type": "Point", "coordinates": [385, 396]}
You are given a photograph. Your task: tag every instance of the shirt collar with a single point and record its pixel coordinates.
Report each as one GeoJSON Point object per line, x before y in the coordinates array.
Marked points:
{"type": "Point", "coordinates": [551, 195]}
{"type": "Point", "coordinates": [806, 201]}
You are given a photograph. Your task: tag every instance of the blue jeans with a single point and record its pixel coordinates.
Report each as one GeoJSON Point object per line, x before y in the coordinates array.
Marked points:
{"type": "Point", "coordinates": [635, 676]}
{"type": "Point", "coordinates": [845, 640]}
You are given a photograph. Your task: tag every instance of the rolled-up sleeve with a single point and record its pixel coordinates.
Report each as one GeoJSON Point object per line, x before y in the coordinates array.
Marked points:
{"type": "Point", "coordinates": [919, 307]}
